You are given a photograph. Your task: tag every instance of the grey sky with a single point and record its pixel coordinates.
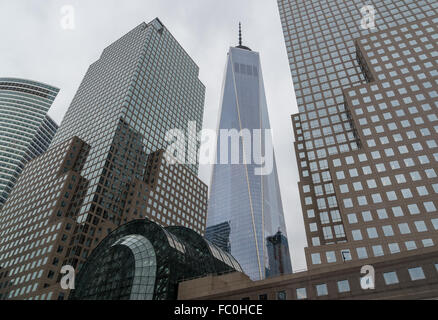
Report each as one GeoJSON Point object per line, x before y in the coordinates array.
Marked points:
{"type": "Point", "coordinates": [33, 45]}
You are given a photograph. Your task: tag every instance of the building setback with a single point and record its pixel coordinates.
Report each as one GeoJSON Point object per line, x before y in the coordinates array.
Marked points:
{"type": "Point", "coordinates": [25, 128]}
{"type": "Point", "coordinates": [105, 166]}
{"type": "Point", "coordinates": [245, 209]}
{"type": "Point", "coordinates": [169, 194]}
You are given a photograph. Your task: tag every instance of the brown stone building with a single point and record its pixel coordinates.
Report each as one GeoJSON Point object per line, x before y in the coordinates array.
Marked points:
{"type": "Point", "coordinates": [366, 131]}
{"type": "Point", "coordinates": [386, 190]}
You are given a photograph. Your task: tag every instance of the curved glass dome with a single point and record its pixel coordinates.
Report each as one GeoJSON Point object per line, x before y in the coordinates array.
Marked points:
{"type": "Point", "coordinates": [144, 261]}
{"type": "Point", "coordinates": [245, 207]}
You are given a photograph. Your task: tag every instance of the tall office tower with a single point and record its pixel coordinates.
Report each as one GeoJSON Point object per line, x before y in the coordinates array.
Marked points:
{"type": "Point", "coordinates": [365, 132]}
{"type": "Point", "coordinates": [25, 128]}
{"type": "Point", "coordinates": [278, 253]}
{"type": "Point", "coordinates": [244, 206]}
{"type": "Point", "coordinates": [144, 261]}
{"type": "Point", "coordinates": [104, 167]}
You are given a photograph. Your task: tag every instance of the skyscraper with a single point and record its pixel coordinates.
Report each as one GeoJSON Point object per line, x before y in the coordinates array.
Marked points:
{"type": "Point", "coordinates": [244, 206]}
{"type": "Point", "coordinates": [105, 166]}
{"type": "Point", "coordinates": [25, 128]}
{"type": "Point", "coordinates": [144, 261]}
{"type": "Point", "coordinates": [365, 134]}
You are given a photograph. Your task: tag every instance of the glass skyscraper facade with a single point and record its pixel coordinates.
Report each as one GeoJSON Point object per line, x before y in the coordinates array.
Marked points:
{"type": "Point", "coordinates": [105, 166]}
{"type": "Point", "coordinates": [25, 128]}
{"type": "Point", "coordinates": [331, 60]}
{"type": "Point", "coordinates": [245, 209]}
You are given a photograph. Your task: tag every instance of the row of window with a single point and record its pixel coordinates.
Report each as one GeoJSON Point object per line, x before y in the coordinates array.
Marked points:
{"type": "Point", "coordinates": [344, 286]}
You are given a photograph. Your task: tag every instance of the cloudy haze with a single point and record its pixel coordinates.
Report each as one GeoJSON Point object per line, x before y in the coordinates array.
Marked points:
{"type": "Point", "coordinates": [33, 45]}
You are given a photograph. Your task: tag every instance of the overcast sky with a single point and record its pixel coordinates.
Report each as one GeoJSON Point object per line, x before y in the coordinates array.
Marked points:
{"type": "Point", "coordinates": [33, 45]}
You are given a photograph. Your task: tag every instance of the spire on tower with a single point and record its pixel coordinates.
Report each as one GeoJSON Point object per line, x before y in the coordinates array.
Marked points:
{"type": "Point", "coordinates": [240, 46]}
{"type": "Point", "coordinates": [240, 34]}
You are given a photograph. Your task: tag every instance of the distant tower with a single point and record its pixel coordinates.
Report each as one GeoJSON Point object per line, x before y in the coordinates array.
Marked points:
{"type": "Point", "coordinates": [25, 128]}
{"type": "Point", "coordinates": [248, 204]}
{"type": "Point", "coordinates": [278, 254]}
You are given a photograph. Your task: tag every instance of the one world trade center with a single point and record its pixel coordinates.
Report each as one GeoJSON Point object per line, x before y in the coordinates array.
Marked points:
{"type": "Point", "coordinates": [245, 213]}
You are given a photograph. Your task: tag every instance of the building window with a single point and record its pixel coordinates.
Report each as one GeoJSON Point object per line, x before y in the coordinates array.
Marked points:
{"type": "Point", "coordinates": [357, 235]}
{"type": "Point", "coordinates": [331, 257]}
{"type": "Point", "coordinates": [302, 293]}
{"type": "Point", "coordinates": [362, 253]}
{"type": "Point", "coordinates": [416, 274]}
{"type": "Point", "coordinates": [378, 251]}
{"type": "Point", "coordinates": [328, 233]}
{"type": "Point", "coordinates": [427, 243]}
{"type": "Point", "coordinates": [404, 228]}
{"type": "Point", "coordinates": [263, 297]}
{"type": "Point", "coordinates": [316, 258]}
{"type": "Point", "coordinates": [281, 295]}
{"type": "Point", "coordinates": [321, 290]}
{"type": "Point", "coordinates": [372, 233]}
{"type": "Point", "coordinates": [339, 231]}
{"type": "Point", "coordinates": [352, 218]}
{"type": "Point", "coordinates": [390, 278]}
{"type": "Point", "coordinates": [388, 231]}
{"type": "Point", "coordinates": [346, 255]}
{"type": "Point", "coordinates": [411, 245]}
{"type": "Point", "coordinates": [394, 248]}
{"type": "Point", "coordinates": [343, 286]}
{"type": "Point", "coordinates": [421, 226]}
